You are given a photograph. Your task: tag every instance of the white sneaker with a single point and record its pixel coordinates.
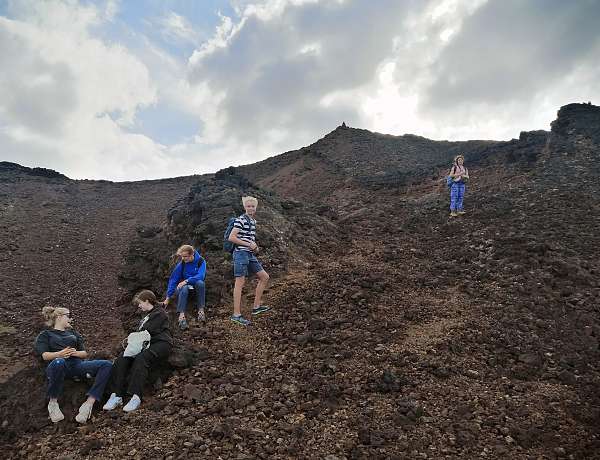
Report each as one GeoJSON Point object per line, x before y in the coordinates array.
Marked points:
{"type": "Point", "coordinates": [54, 410]}
{"type": "Point", "coordinates": [133, 404]}
{"type": "Point", "coordinates": [113, 402]}
{"type": "Point", "coordinates": [85, 412]}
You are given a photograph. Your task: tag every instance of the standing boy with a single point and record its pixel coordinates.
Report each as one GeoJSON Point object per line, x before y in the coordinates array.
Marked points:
{"type": "Point", "coordinates": [243, 235]}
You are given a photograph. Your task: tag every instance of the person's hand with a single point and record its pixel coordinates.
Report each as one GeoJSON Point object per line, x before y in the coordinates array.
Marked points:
{"type": "Point", "coordinates": [65, 352]}
{"type": "Point", "coordinates": [256, 249]}
{"type": "Point", "coordinates": [181, 284]}
{"type": "Point", "coordinates": [166, 302]}
{"type": "Point", "coordinates": [253, 246]}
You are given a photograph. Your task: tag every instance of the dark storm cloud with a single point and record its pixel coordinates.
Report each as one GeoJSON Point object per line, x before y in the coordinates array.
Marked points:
{"type": "Point", "coordinates": [511, 51]}
{"type": "Point", "coordinates": [275, 72]}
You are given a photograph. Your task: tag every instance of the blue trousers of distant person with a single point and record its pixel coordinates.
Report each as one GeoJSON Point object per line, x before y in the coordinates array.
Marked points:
{"type": "Point", "coordinates": [184, 292]}
{"type": "Point", "coordinates": [61, 368]}
{"type": "Point", "coordinates": [457, 193]}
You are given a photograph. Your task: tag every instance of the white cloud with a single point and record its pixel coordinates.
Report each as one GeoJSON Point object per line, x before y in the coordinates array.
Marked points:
{"type": "Point", "coordinates": [177, 28]}
{"type": "Point", "coordinates": [58, 86]}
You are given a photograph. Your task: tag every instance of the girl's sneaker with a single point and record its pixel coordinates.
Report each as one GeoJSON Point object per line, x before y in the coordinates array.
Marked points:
{"type": "Point", "coordinates": [113, 402]}
{"type": "Point", "coordinates": [54, 411]}
{"type": "Point", "coordinates": [183, 324]}
{"type": "Point", "coordinates": [133, 404]}
{"type": "Point", "coordinates": [201, 315]}
{"type": "Point", "coordinates": [85, 412]}
{"type": "Point", "coordinates": [240, 320]}
{"type": "Point", "coordinates": [260, 309]}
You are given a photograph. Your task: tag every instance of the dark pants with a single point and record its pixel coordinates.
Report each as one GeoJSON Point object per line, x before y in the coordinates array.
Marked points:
{"type": "Point", "coordinates": [184, 292]}
{"type": "Point", "coordinates": [130, 373]}
{"type": "Point", "coordinates": [61, 368]}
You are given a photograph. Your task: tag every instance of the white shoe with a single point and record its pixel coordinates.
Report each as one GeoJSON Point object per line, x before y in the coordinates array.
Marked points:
{"type": "Point", "coordinates": [54, 410]}
{"type": "Point", "coordinates": [133, 404]}
{"type": "Point", "coordinates": [113, 402]}
{"type": "Point", "coordinates": [85, 412]}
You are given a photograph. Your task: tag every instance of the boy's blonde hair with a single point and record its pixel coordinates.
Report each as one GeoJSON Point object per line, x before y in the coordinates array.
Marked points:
{"type": "Point", "coordinates": [185, 249]}
{"type": "Point", "coordinates": [249, 199]}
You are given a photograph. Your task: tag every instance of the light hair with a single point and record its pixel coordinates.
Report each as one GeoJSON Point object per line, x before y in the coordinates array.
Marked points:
{"type": "Point", "coordinates": [249, 199]}
{"type": "Point", "coordinates": [51, 313]}
{"type": "Point", "coordinates": [185, 249]}
{"type": "Point", "coordinates": [457, 157]}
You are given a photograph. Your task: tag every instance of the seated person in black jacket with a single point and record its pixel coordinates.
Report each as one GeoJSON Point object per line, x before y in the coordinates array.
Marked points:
{"type": "Point", "coordinates": [62, 349]}
{"type": "Point", "coordinates": [130, 373]}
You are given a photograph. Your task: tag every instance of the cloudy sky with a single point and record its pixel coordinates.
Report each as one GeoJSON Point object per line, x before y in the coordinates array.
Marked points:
{"type": "Point", "coordinates": [128, 90]}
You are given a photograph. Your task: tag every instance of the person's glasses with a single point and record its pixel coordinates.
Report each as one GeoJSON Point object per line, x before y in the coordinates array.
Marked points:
{"type": "Point", "coordinates": [68, 315]}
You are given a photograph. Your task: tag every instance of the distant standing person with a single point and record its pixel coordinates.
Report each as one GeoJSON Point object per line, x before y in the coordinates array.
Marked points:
{"type": "Point", "coordinates": [188, 275]}
{"type": "Point", "coordinates": [459, 175]}
{"type": "Point", "coordinates": [245, 263]}
{"type": "Point", "coordinates": [63, 349]}
{"type": "Point", "coordinates": [130, 373]}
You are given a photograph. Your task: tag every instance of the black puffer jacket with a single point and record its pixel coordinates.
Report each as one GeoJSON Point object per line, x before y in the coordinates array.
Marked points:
{"type": "Point", "coordinates": [156, 322]}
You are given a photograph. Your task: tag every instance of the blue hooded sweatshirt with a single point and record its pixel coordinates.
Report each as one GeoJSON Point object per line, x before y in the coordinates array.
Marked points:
{"type": "Point", "coordinates": [192, 272]}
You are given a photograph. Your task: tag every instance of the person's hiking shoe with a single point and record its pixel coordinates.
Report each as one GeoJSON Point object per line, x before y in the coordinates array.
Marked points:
{"type": "Point", "coordinates": [85, 412]}
{"type": "Point", "coordinates": [453, 214]}
{"type": "Point", "coordinates": [54, 411]}
{"type": "Point", "coordinates": [133, 404]}
{"type": "Point", "coordinates": [183, 324]}
{"type": "Point", "coordinates": [113, 402]}
{"type": "Point", "coordinates": [260, 309]}
{"type": "Point", "coordinates": [240, 320]}
{"type": "Point", "coordinates": [460, 213]}
{"type": "Point", "coordinates": [201, 315]}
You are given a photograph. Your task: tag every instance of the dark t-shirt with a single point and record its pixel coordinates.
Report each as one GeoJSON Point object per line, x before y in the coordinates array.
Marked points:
{"type": "Point", "coordinates": [54, 340]}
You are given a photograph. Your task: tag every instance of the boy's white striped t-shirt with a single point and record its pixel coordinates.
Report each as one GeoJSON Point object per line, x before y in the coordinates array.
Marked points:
{"type": "Point", "coordinates": [247, 230]}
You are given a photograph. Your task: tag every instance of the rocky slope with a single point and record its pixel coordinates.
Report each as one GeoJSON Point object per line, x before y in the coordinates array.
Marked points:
{"type": "Point", "coordinates": [62, 243]}
{"type": "Point", "coordinates": [396, 333]}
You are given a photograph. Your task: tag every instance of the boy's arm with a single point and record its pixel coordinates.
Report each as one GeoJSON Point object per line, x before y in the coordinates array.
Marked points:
{"type": "Point", "coordinates": [234, 239]}
{"type": "Point", "coordinates": [173, 280]}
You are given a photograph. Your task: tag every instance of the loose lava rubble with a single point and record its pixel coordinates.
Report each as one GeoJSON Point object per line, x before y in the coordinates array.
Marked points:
{"type": "Point", "coordinates": [395, 332]}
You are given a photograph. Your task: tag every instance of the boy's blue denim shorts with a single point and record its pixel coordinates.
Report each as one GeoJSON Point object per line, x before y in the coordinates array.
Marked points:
{"type": "Point", "coordinates": [245, 262]}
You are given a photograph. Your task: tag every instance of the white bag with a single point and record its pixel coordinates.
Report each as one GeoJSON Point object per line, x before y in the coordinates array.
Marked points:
{"type": "Point", "coordinates": [136, 342]}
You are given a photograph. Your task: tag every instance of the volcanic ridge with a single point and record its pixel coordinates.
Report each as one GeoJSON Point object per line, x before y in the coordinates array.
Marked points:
{"type": "Point", "coordinates": [395, 332]}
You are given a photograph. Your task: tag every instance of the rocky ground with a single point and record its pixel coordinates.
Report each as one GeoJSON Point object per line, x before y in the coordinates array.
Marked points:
{"type": "Point", "coordinates": [63, 244]}
{"type": "Point", "coordinates": [395, 331]}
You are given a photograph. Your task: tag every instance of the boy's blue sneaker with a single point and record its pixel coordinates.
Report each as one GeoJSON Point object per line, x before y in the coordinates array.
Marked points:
{"type": "Point", "coordinates": [260, 309]}
{"type": "Point", "coordinates": [240, 320]}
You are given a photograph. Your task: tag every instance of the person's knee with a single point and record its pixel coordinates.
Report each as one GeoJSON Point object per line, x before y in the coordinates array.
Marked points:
{"type": "Point", "coordinates": [264, 276]}
{"type": "Point", "coordinates": [57, 363]}
{"type": "Point", "coordinates": [240, 280]}
{"type": "Point", "coordinates": [143, 358]}
{"type": "Point", "coordinates": [183, 290]}
{"type": "Point", "coordinates": [199, 284]}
